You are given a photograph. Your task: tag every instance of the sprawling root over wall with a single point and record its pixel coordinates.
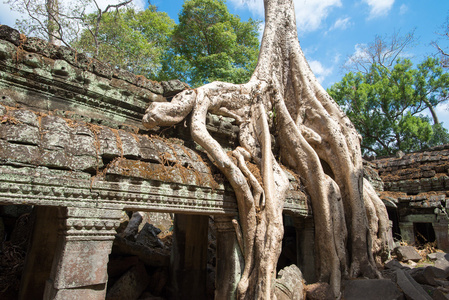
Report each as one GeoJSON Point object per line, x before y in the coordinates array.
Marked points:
{"type": "Point", "coordinates": [350, 220]}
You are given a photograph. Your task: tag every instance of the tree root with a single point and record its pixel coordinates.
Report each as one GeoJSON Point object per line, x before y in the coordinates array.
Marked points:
{"type": "Point", "coordinates": [318, 142]}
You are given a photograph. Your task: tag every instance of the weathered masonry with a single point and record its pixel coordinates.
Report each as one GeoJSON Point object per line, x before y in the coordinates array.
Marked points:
{"type": "Point", "coordinates": [416, 188]}
{"type": "Point", "coordinates": [72, 145]}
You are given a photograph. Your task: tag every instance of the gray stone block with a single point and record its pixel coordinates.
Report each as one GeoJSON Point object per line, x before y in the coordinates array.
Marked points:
{"type": "Point", "coordinates": [371, 289]}
{"type": "Point", "coordinates": [405, 253]}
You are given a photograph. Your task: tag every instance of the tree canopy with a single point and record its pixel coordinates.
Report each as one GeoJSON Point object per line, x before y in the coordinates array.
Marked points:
{"type": "Point", "coordinates": [210, 43]}
{"type": "Point", "coordinates": [135, 40]}
{"type": "Point", "coordinates": [386, 105]}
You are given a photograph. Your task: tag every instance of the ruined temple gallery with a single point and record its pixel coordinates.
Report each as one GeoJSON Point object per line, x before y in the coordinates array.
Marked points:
{"type": "Point", "coordinates": [73, 146]}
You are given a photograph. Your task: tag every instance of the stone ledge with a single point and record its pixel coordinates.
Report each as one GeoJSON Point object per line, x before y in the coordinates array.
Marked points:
{"type": "Point", "coordinates": [47, 187]}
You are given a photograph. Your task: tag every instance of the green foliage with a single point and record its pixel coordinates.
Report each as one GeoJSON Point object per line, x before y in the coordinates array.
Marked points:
{"type": "Point", "coordinates": [211, 44]}
{"type": "Point", "coordinates": [130, 39]}
{"type": "Point", "coordinates": [386, 105]}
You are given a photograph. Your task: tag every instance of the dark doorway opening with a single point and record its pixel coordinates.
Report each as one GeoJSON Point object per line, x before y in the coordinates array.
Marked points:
{"type": "Point", "coordinates": [424, 233]}
{"type": "Point", "coordinates": [394, 218]}
{"type": "Point", "coordinates": [288, 255]}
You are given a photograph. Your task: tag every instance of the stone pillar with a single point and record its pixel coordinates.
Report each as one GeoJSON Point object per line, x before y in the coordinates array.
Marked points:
{"type": "Point", "coordinates": [188, 263]}
{"type": "Point", "coordinates": [390, 239]}
{"type": "Point", "coordinates": [85, 240]}
{"type": "Point", "coordinates": [441, 233]}
{"type": "Point", "coordinates": [230, 261]}
{"type": "Point", "coordinates": [407, 232]}
{"type": "Point", "coordinates": [40, 255]}
{"type": "Point", "coordinates": [305, 245]}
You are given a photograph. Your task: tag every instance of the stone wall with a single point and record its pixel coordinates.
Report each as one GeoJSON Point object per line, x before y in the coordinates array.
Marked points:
{"type": "Point", "coordinates": [416, 190]}
{"type": "Point", "coordinates": [72, 145]}
{"type": "Point", "coordinates": [63, 111]}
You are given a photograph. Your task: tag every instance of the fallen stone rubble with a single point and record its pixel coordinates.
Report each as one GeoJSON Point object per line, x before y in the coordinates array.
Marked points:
{"type": "Point", "coordinates": [403, 278]}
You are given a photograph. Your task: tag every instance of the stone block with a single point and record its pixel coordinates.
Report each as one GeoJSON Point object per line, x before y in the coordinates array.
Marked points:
{"type": "Point", "coordinates": [10, 34]}
{"type": "Point", "coordinates": [108, 142]}
{"type": "Point", "coordinates": [437, 255]}
{"type": "Point", "coordinates": [173, 87]}
{"type": "Point", "coordinates": [443, 263]}
{"type": "Point", "coordinates": [36, 45]}
{"type": "Point", "coordinates": [371, 289]}
{"type": "Point", "coordinates": [319, 291]}
{"type": "Point", "coordinates": [405, 253]}
{"type": "Point", "coordinates": [82, 145]}
{"type": "Point", "coordinates": [130, 285]}
{"type": "Point", "coordinates": [96, 292]}
{"type": "Point", "coordinates": [151, 257]}
{"type": "Point", "coordinates": [25, 117]}
{"type": "Point", "coordinates": [148, 237]}
{"type": "Point", "coordinates": [19, 152]}
{"type": "Point", "coordinates": [153, 86]}
{"type": "Point", "coordinates": [55, 133]}
{"type": "Point", "coordinates": [394, 264]}
{"type": "Point", "coordinates": [102, 69]}
{"type": "Point", "coordinates": [81, 263]}
{"type": "Point", "coordinates": [290, 284]}
{"type": "Point", "coordinates": [20, 133]}
{"type": "Point", "coordinates": [7, 50]}
{"type": "Point", "coordinates": [128, 144]}
{"type": "Point", "coordinates": [427, 275]}
{"type": "Point", "coordinates": [125, 75]}
{"type": "Point", "coordinates": [410, 287]}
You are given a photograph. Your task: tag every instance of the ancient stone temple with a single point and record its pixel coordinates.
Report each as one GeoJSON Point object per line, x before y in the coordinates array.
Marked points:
{"type": "Point", "coordinates": [76, 159]}
{"type": "Point", "coordinates": [72, 146]}
{"type": "Point", "coordinates": [415, 191]}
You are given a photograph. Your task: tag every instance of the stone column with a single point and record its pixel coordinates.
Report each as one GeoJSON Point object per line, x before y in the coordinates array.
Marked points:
{"type": "Point", "coordinates": [40, 255]}
{"type": "Point", "coordinates": [441, 233]}
{"type": "Point", "coordinates": [79, 269]}
{"type": "Point", "coordinates": [407, 232]}
{"type": "Point", "coordinates": [188, 263]}
{"type": "Point", "coordinates": [305, 245]}
{"type": "Point", "coordinates": [230, 261]}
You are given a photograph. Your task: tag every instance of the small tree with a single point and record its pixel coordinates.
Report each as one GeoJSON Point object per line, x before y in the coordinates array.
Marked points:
{"type": "Point", "coordinates": [130, 39]}
{"type": "Point", "coordinates": [386, 105]}
{"type": "Point", "coordinates": [383, 51]}
{"type": "Point", "coordinates": [60, 23]}
{"type": "Point", "coordinates": [209, 43]}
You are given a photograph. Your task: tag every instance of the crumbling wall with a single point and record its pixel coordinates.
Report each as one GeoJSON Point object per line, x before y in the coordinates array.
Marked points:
{"type": "Point", "coordinates": [416, 191]}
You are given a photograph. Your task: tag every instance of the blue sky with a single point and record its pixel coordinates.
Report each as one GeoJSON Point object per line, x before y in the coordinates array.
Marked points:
{"type": "Point", "coordinates": [332, 30]}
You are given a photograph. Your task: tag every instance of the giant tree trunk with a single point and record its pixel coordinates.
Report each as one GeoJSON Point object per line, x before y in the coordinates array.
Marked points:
{"type": "Point", "coordinates": [284, 99]}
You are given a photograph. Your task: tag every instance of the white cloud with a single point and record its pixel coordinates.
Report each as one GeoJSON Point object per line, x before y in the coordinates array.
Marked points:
{"type": "Point", "coordinates": [337, 58]}
{"type": "Point", "coordinates": [360, 55]}
{"type": "Point", "coordinates": [319, 70]}
{"type": "Point", "coordinates": [341, 24]}
{"type": "Point", "coordinates": [254, 6]}
{"type": "Point", "coordinates": [379, 7]}
{"type": "Point", "coordinates": [309, 13]}
{"type": "Point", "coordinates": [403, 9]}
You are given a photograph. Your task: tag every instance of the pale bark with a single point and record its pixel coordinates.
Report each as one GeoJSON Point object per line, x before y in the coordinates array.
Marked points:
{"type": "Point", "coordinates": [313, 130]}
